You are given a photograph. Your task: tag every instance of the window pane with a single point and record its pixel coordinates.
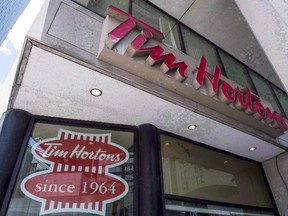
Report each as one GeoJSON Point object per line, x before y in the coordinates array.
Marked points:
{"type": "Point", "coordinates": [235, 71]}
{"type": "Point", "coordinates": [99, 6]}
{"type": "Point", "coordinates": [82, 175]}
{"type": "Point", "coordinates": [158, 20]}
{"type": "Point", "coordinates": [196, 47]}
{"type": "Point", "coordinates": [196, 172]}
{"type": "Point", "coordinates": [283, 99]}
{"type": "Point", "coordinates": [265, 92]}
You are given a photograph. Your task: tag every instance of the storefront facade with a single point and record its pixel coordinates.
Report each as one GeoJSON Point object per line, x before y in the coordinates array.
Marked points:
{"type": "Point", "coordinates": [105, 118]}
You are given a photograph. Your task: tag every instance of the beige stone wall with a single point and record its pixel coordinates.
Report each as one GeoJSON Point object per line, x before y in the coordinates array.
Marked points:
{"type": "Point", "coordinates": [276, 170]}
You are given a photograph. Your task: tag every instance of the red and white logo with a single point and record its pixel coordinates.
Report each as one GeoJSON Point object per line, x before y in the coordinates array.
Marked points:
{"type": "Point", "coordinates": [78, 179]}
{"type": "Point", "coordinates": [134, 45]}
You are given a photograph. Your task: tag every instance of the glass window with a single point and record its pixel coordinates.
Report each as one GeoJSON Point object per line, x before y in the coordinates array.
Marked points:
{"type": "Point", "coordinates": [264, 90]}
{"type": "Point", "coordinates": [100, 6]}
{"type": "Point", "coordinates": [236, 71]}
{"type": "Point", "coordinates": [70, 170]}
{"type": "Point", "coordinates": [196, 172]}
{"type": "Point", "coordinates": [283, 99]}
{"type": "Point", "coordinates": [196, 47]}
{"type": "Point", "coordinates": [158, 20]}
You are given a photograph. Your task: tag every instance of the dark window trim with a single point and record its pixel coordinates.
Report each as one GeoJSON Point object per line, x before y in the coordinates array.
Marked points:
{"type": "Point", "coordinates": [151, 199]}
{"type": "Point", "coordinates": [242, 65]}
{"type": "Point", "coordinates": [209, 202]}
{"type": "Point", "coordinates": [272, 92]}
{"type": "Point", "coordinates": [220, 63]}
{"type": "Point", "coordinates": [17, 166]}
{"type": "Point", "coordinates": [182, 45]}
{"type": "Point", "coordinates": [279, 103]}
{"type": "Point", "coordinates": [272, 84]}
{"type": "Point", "coordinates": [253, 84]}
{"type": "Point", "coordinates": [130, 8]}
{"type": "Point", "coordinates": [220, 60]}
{"type": "Point", "coordinates": [260, 165]}
{"type": "Point", "coordinates": [78, 3]}
{"type": "Point", "coordinates": [83, 123]}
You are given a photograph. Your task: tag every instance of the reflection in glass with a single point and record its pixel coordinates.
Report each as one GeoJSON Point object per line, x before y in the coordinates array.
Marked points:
{"type": "Point", "coordinates": [264, 90]}
{"type": "Point", "coordinates": [283, 99]}
{"type": "Point", "coordinates": [158, 20]}
{"type": "Point", "coordinates": [72, 167]}
{"type": "Point", "coordinates": [236, 71]}
{"type": "Point", "coordinates": [196, 47]}
{"type": "Point", "coordinates": [100, 6]}
{"type": "Point", "coordinates": [196, 172]}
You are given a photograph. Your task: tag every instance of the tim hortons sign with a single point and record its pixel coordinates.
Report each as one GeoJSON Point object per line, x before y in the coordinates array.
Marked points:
{"type": "Point", "coordinates": [136, 47]}
{"type": "Point", "coordinates": [78, 179]}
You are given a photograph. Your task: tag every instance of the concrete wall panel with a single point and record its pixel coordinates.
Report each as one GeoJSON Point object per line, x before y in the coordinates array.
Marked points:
{"type": "Point", "coordinates": [277, 174]}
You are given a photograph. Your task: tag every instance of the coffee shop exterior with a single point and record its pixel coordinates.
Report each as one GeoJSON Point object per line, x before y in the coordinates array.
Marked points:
{"type": "Point", "coordinates": [124, 110]}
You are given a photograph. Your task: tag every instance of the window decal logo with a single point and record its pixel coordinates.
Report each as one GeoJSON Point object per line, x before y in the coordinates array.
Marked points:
{"type": "Point", "coordinates": [78, 179]}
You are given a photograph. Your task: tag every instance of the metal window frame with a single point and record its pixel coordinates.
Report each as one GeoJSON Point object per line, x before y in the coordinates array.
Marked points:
{"type": "Point", "coordinates": [274, 96]}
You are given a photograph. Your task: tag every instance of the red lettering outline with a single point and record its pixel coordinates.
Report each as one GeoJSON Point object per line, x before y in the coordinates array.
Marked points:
{"type": "Point", "coordinates": [244, 100]}
{"type": "Point", "coordinates": [211, 81]}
